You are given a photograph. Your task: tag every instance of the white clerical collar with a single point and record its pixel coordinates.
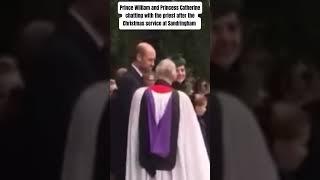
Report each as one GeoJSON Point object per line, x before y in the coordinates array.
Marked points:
{"type": "Point", "coordinates": [138, 71]}
{"type": "Point", "coordinates": [98, 39]}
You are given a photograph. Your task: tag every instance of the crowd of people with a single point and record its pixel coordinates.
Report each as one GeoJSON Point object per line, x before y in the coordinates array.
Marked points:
{"type": "Point", "coordinates": [281, 92]}
{"type": "Point", "coordinates": [140, 74]}
{"type": "Point", "coordinates": [53, 96]}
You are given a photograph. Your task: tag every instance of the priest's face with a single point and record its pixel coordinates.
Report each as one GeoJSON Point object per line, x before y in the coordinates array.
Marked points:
{"type": "Point", "coordinates": [181, 73]}
{"type": "Point", "coordinates": [226, 39]}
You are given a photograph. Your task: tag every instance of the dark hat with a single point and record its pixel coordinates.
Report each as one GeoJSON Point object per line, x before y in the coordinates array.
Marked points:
{"type": "Point", "coordinates": [179, 60]}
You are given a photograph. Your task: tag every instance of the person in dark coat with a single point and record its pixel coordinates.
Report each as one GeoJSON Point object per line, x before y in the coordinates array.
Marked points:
{"type": "Point", "coordinates": [227, 48]}
{"type": "Point", "coordinates": [120, 105]}
{"type": "Point", "coordinates": [200, 103]}
{"type": "Point", "coordinates": [11, 92]}
{"type": "Point", "coordinates": [72, 59]}
{"type": "Point", "coordinates": [309, 169]}
{"type": "Point", "coordinates": [228, 119]}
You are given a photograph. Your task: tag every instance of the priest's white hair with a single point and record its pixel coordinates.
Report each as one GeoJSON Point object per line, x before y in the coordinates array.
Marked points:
{"type": "Point", "coordinates": [166, 70]}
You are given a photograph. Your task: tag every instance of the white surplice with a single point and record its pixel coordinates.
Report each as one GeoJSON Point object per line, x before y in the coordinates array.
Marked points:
{"type": "Point", "coordinates": [192, 161]}
{"type": "Point", "coordinates": [80, 149]}
{"type": "Point", "coordinates": [246, 156]}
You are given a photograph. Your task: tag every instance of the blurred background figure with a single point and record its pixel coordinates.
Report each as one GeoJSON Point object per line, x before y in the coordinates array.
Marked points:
{"type": "Point", "coordinates": [120, 72]}
{"type": "Point", "coordinates": [11, 131]}
{"type": "Point", "coordinates": [200, 103]}
{"type": "Point", "coordinates": [290, 131]}
{"type": "Point", "coordinates": [310, 168]}
{"type": "Point", "coordinates": [293, 81]}
{"type": "Point", "coordinates": [11, 89]}
{"type": "Point", "coordinates": [34, 34]}
{"type": "Point", "coordinates": [112, 86]}
{"type": "Point", "coordinates": [202, 86]}
{"type": "Point", "coordinates": [233, 121]}
{"type": "Point", "coordinates": [149, 78]}
{"type": "Point", "coordinates": [31, 39]}
{"type": "Point", "coordinates": [227, 47]}
{"type": "Point", "coordinates": [71, 59]}
{"type": "Point", "coordinates": [258, 62]}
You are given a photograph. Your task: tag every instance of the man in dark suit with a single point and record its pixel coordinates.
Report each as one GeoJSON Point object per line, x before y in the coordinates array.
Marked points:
{"type": "Point", "coordinates": [120, 105]}
{"type": "Point", "coordinates": [70, 61]}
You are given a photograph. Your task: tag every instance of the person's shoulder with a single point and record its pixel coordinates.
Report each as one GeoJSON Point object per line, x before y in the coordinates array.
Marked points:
{"type": "Point", "coordinates": [124, 81]}
{"type": "Point", "coordinates": [129, 78]}
{"type": "Point", "coordinates": [140, 91]}
{"type": "Point", "coordinates": [229, 100]}
{"type": "Point", "coordinates": [98, 87]}
{"type": "Point", "coordinates": [127, 75]}
{"type": "Point", "coordinates": [233, 107]}
{"type": "Point", "coordinates": [183, 95]}
{"type": "Point", "coordinates": [92, 99]}
{"type": "Point", "coordinates": [95, 91]}
{"type": "Point", "coordinates": [57, 47]}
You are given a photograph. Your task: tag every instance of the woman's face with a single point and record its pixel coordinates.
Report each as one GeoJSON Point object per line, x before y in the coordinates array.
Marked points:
{"type": "Point", "coordinates": [181, 73]}
{"type": "Point", "coordinates": [226, 39]}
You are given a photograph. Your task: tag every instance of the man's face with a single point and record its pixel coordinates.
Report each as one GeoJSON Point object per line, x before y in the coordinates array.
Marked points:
{"type": "Point", "coordinates": [147, 60]}
{"type": "Point", "coordinates": [181, 73]}
{"type": "Point", "coordinates": [226, 39]}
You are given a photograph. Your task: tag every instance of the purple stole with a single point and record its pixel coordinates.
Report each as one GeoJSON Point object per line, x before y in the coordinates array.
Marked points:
{"type": "Point", "coordinates": [158, 142]}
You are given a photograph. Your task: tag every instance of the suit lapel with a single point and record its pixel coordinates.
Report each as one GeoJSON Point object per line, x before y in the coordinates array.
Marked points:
{"type": "Point", "coordinates": [136, 75]}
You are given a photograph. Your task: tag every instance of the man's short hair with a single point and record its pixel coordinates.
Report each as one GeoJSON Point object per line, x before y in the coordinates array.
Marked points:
{"type": "Point", "coordinates": [137, 49]}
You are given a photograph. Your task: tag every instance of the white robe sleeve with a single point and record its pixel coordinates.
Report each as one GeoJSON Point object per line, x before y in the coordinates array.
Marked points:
{"type": "Point", "coordinates": [82, 134]}
{"type": "Point", "coordinates": [246, 155]}
{"type": "Point", "coordinates": [133, 169]}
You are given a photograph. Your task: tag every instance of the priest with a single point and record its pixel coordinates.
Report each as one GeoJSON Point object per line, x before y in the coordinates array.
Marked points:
{"type": "Point", "coordinates": [164, 136]}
